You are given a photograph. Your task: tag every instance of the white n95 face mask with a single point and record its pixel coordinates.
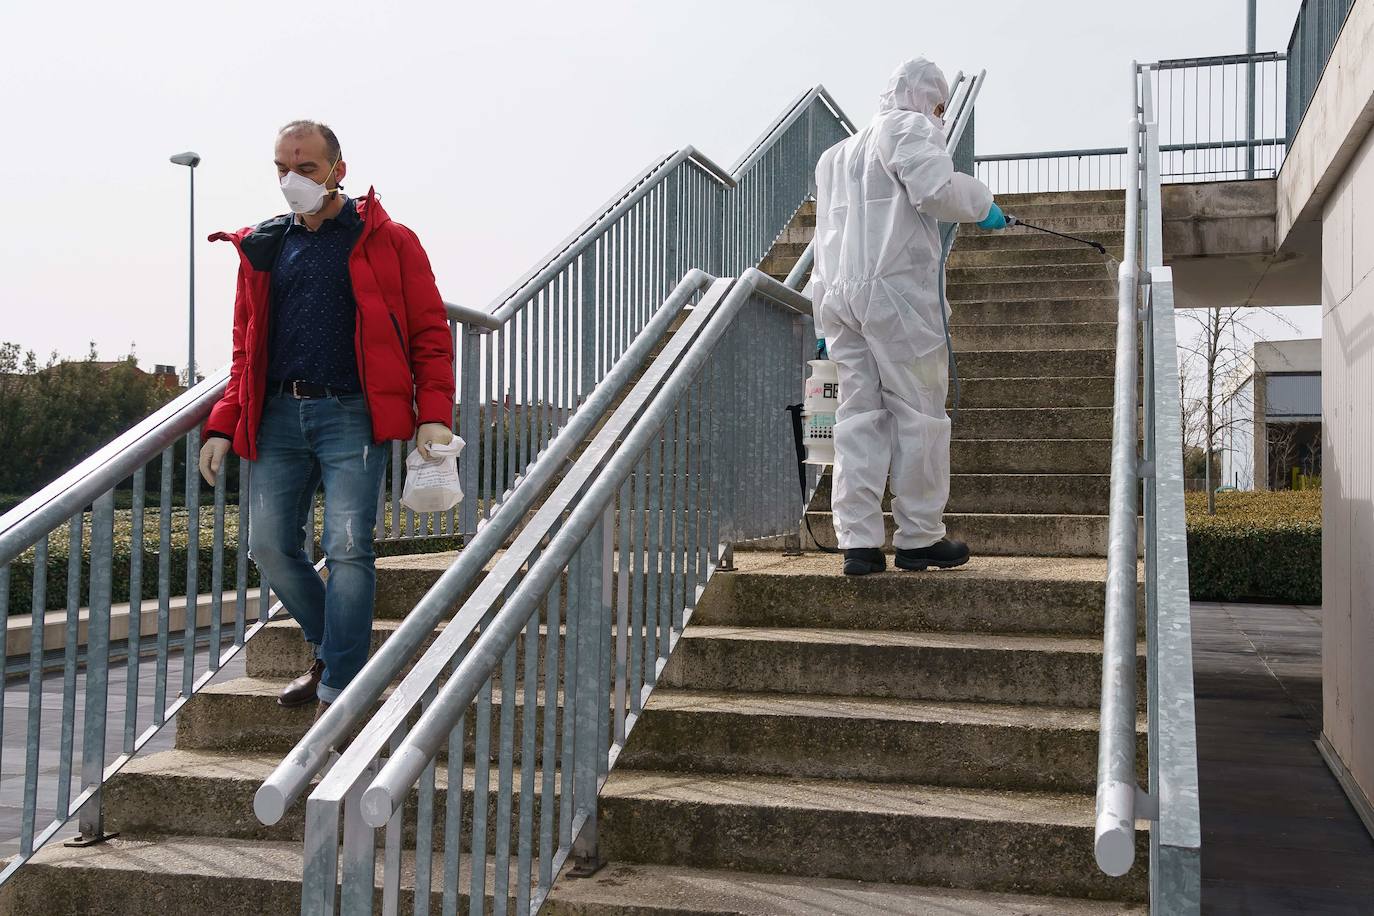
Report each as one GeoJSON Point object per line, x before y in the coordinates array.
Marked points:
{"type": "Point", "coordinates": [303, 195]}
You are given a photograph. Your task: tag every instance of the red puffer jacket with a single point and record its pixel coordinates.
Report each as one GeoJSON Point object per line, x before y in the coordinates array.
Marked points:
{"type": "Point", "coordinates": [403, 342]}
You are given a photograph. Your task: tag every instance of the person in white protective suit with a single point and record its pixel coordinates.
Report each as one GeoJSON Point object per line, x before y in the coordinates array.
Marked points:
{"type": "Point", "coordinates": [880, 196]}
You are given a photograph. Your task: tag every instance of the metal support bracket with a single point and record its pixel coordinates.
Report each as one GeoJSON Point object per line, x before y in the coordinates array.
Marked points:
{"type": "Point", "coordinates": [727, 559]}
{"type": "Point", "coordinates": [81, 841]}
{"type": "Point", "coordinates": [1145, 469]}
{"type": "Point", "coordinates": [1146, 805]}
{"type": "Point", "coordinates": [586, 866]}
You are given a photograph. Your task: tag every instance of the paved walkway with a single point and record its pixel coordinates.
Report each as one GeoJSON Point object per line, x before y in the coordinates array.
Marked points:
{"type": "Point", "coordinates": [12, 750]}
{"type": "Point", "coordinates": [1278, 835]}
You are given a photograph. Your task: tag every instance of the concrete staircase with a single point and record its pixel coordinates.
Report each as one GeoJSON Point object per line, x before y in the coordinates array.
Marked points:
{"type": "Point", "coordinates": [911, 742]}
{"type": "Point", "coordinates": [904, 743]}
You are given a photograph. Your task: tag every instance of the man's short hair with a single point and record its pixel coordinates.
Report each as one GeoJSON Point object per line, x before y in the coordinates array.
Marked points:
{"type": "Point", "coordinates": [305, 126]}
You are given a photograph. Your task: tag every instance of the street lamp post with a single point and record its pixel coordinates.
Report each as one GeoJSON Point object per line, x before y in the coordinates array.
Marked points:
{"type": "Point", "coordinates": [191, 160]}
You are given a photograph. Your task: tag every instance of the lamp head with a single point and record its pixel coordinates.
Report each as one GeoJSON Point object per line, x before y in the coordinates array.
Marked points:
{"type": "Point", "coordinates": [187, 158]}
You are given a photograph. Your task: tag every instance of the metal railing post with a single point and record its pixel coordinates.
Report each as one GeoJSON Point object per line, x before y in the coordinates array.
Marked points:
{"type": "Point", "coordinates": [92, 817]}
{"type": "Point", "coordinates": [586, 857]}
{"type": "Point", "coordinates": [1250, 90]}
{"type": "Point", "coordinates": [470, 405]}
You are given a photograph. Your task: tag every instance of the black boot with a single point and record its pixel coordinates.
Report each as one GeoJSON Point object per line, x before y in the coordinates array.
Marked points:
{"type": "Point", "coordinates": [943, 554]}
{"type": "Point", "coordinates": [860, 561]}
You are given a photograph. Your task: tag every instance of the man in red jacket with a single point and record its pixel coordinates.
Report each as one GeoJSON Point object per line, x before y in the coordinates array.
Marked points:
{"type": "Point", "coordinates": [341, 343]}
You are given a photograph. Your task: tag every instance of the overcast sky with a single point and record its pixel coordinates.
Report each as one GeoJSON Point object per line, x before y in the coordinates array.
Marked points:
{"type": "Point", "coordinates": [490, 129]}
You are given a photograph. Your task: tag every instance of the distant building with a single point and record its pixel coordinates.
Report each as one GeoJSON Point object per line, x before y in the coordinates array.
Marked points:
{"type": "Point", "coordinates": [1288, 413]}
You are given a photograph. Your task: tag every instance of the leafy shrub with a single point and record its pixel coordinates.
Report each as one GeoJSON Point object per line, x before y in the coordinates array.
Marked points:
{"type": "Point", "coordinates": [1259, 546]}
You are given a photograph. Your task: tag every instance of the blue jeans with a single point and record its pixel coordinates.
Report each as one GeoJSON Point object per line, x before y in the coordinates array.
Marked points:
{"type": "Point", "coordinates": [301, 444]}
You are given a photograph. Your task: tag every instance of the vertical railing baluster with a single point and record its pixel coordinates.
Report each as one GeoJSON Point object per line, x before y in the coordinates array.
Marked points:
{"type": "Point", "coordinates": [217, 571]}
{"type": "Point", "coordinates": [131, 665]}
{"type": "Point", "coordinates": [97, 666]}
{"type": "Point", "coordinates": [621, 573]}
{"type": "Point", "coordinates": [505, 781]}
{"type": "Point", "coordinates": [188, 641]}
{"type": "Point", "coordinates": [64, 768]}
{"type": "Point", "coordinates": [481, 799]}
{"type": "Point", "coordinates": [164, 588]}
{"type": "Point", "coordinates": [548, 799]}
{"type": "Point", "coordinates": [391, 867]}
{"type": "Point", "coordinates": [424, 831]}
{"type": "Point", "coordinates": [453, 818]}
{"type": "Point", "coordinates": [37, 634]}
{"type": "Point", "coordinates": [632, 567]}
{"type": "Point", "coordinates": [528, 756]}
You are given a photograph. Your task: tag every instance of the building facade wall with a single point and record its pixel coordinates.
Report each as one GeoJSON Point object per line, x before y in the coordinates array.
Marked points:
{"type": "Point", "coordinates": [1348, 478]}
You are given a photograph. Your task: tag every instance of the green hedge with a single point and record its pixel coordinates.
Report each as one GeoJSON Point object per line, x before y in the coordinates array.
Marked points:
{"type": "Point", "coordinates": [1258, 546]}
{"type": "Point", "coordinates": [21, 570]}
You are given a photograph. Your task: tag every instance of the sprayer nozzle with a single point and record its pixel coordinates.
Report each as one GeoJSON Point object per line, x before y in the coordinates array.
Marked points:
{"type": "Point", "coordinates": [1101, 249]}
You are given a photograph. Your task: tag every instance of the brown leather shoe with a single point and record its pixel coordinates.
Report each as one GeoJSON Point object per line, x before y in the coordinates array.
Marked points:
{"type": "Point", "coordinates": [302, 690]}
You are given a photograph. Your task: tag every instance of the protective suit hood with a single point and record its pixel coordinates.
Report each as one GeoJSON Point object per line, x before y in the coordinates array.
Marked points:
{"type": "Point", "coordinates": [917, 85]}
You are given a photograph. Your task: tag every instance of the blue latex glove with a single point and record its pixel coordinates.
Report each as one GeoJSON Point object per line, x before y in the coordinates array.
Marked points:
{"type": "Point", "coordinates": [994, 219]}
{"type": "Point", "coordinates": [820, 349]}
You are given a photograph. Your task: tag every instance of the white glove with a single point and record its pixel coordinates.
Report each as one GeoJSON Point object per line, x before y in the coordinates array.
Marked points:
{"type": "Point", "coordinates": [431, 434]}
{"type": "Point", "coordinates": [212, 457]}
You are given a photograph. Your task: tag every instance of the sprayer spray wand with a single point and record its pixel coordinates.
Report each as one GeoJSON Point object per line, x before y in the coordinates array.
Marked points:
{"type": "Point", "coordinates": [1016, 221]}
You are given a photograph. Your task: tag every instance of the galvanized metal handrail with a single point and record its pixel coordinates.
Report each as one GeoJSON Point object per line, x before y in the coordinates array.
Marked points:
{"type": "Point", "coordinates": [1220, 118]}
{"type": "Point", "coordinates": [1116, 749]}
{"type": "Point", "coordinates": [1316, 29]}
{"type": "Point", "coordinates": [669, 478]}
{"type": "Point", "coordinates": [290, 778]}
{"type": "Point", "coordinates": [1171, 801]}
{"type": "Point", "coordinates": [25, 535]}
{"type": "Point", "coordinates": [567, 320]}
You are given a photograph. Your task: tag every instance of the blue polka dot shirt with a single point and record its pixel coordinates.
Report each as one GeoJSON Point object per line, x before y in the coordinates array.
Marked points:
{"type": "Point", "coordinates": [313, 312]}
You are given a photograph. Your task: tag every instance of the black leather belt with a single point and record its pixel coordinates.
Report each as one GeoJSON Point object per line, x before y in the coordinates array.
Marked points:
{"type": "Point", "coordinates": [304, 390]}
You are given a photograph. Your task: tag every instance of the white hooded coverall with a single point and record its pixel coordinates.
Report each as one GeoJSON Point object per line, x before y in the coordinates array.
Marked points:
{"type": "Point", "coordinates": [880, 196]}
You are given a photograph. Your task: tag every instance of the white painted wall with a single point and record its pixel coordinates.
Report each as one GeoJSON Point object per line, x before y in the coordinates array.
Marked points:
{"type": "Point", "coordinates": [1348, 467]}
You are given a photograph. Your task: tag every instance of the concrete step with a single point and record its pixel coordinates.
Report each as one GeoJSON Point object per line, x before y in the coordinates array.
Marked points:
{"type": "Point", "coordinates": [1033, 423]}
{"type": "Point", "coordinates": [1041, 456]}
{"type": "Point", "coordinates": [1026, 239]}
{"type": "Point", "coordinates": [1024, 288]}
{"type": "Point", "coordinates": [1032, 258]}
{"type": "Point", "coordinates": [279, 651]}
{"type": "Point", "coordinates": [1001, 534]}
{"type": "Point", "coordinates": [1092, 335]}
{"type": "Point", "coordinates": [1072, 494]}
{"type": "Point", "coordinates": [155, 876]}
{"type": "Point", "coordinates": [1042, 212]}
{"type": "Point", "coordinates": [403, 581]}
{"type": "Point", "coordinates": [1017, 595]}
{"type": "Point", "coordinates": [1056, 363]}
{"type": "Point", "coordinates": [996, 841]}
{"type": "Point", "coordinates": [667, 890]}
{"type": "Point", "coordinates": [789, 249]}
{"type": "Point", "coordinates": [1060, 198]}
{"type": "Point", "coordinates": [1091, 270]}
{"type": "Point", "coordinates": [981, 745]}
{"type": "Point", "coordinates": [795, 234]}
{"type": "Point", "coordinates": [1035, 392]}
{"type": "Point", "coordinates": [954, 667]}
{"type": "Point", "coordinates": [1033, 311]}
{"type": "Point", "coordinates": [205, 793]}
{"type": "Point", "coordinates": [242, 715]}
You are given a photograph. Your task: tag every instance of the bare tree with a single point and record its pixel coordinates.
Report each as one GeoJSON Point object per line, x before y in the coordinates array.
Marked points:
{"type": "Point", "coordinates": [1283, 454]}
{"type": "Point", "coordinates": [1220, 362]}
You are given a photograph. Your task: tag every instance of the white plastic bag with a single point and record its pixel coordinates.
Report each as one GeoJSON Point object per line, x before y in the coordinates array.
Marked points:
{"type": "Point", "coordinates": [432, 486]}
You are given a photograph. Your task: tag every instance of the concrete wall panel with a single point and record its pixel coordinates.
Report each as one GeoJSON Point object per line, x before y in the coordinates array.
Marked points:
{"type": "Point", "coordinates": [1348, 469]}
